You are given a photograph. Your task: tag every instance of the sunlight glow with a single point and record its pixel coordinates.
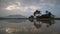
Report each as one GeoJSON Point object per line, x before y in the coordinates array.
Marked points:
{"type": "Point", "coordinates": [10, 7]}
{"type": "Point", "coordinates": [20, 8]}
{"type": "Point", "coordinates": [15, 7]}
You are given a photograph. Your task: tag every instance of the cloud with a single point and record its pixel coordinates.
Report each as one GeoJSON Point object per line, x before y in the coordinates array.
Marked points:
{"type": "Point", "coordinates": [13, 7]}
{"type": "Point", "coordinates": [26, 6]}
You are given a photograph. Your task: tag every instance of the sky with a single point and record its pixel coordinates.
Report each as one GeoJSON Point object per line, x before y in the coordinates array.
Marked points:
{"type": "Point", "coordinates": [27, 7]}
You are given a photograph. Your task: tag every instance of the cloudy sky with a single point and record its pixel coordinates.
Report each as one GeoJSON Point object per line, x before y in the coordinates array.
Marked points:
{"type": "Point", "coordinates": [27, 7]}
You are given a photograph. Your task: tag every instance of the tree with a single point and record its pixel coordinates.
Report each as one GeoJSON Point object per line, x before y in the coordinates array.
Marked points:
{"type": "Point", "coordinates": [36, 12]}
{"type": "Point", "coordinates": [31, 16]}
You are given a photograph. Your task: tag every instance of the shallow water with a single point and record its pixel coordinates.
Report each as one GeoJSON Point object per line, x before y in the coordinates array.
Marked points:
{"type": "Point", "coordinates": [16, 26]}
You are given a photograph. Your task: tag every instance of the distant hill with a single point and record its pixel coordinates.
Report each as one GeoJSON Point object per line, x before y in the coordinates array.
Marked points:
{"type": "Point", "coordinates": [14, 16]}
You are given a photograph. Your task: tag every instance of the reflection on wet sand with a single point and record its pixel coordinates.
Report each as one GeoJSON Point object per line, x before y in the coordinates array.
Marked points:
{"type": "Point", "coordinates": [29, 27]}
{"type": "Point", "coordinates": [17, 31]}
{"type": "Point", "coordinates": [38, 23]}
{"type": "Point", "coordinates": [12, 30]}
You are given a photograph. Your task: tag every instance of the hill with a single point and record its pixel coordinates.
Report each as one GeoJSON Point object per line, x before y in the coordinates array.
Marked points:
{"type": "Point", "coordinates": [14, 16]}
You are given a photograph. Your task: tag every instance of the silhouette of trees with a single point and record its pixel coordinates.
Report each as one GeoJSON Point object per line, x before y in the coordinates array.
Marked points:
{"type": "Point", "coordinates": [37, 14]}
{"type": "Point", "coordinates": [31, 16]}
{"type": "Point", "coordinates": [38, 22]}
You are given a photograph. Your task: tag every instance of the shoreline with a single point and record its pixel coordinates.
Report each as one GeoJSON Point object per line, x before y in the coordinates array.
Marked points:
{"type": "Point", "coordinates": [34, 18]}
